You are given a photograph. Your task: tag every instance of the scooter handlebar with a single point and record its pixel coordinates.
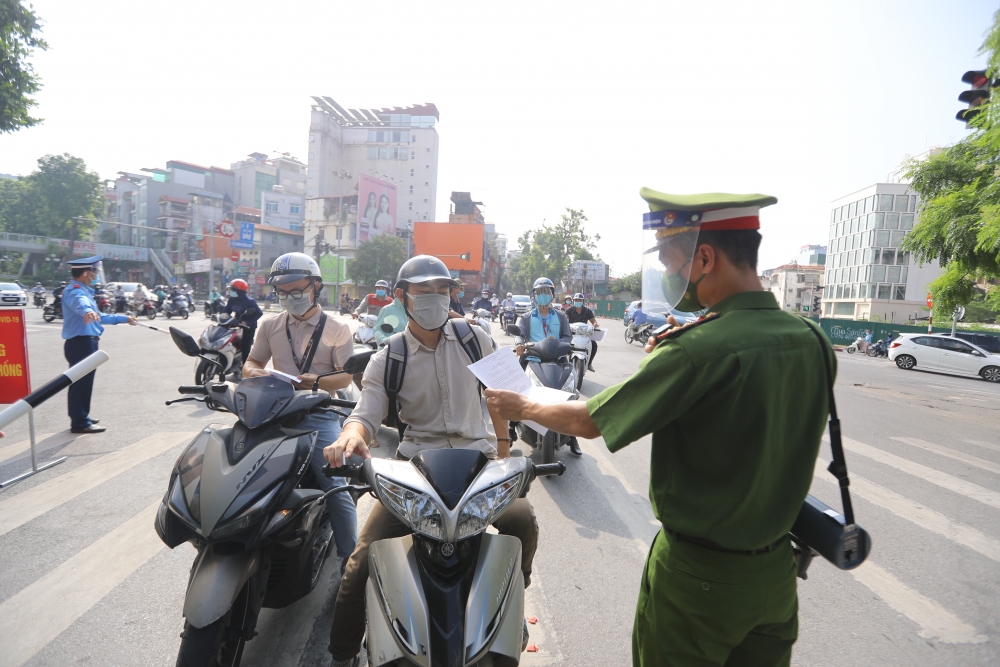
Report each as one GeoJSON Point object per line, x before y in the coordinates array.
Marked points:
{"type": "Point", "coordinates": [192, 389]}
{"type": "Point", "coordinates": [546, 469]}
{"type": "Point", "coordinates": [348, 470]}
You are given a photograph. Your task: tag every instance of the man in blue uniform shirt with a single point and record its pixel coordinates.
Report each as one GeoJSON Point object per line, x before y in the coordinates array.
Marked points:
{"type": "Point", "coordinates": [246, 311]}
{"type": "Point", "coordinates": [82, 328]}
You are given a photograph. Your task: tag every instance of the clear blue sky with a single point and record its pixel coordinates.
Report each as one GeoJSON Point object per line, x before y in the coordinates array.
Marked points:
{"type": "Point", "coordinates": [543, 105]}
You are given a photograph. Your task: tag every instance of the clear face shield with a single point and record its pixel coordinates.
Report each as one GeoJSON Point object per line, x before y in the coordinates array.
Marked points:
{"type": "Point", "coordinates": [670, 239]}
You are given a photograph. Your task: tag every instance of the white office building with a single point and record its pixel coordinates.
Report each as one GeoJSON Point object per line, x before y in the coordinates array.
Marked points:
{"type": "Point", "coordinates": [796, 287]}
{"type": "Point", "coordinates": [398, 145]}
{"type": "Point", "coordinates": [867, 275]}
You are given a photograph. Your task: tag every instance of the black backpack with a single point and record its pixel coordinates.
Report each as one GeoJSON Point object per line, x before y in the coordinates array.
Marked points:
{"type": "Point", "coordinates": [395, 365]}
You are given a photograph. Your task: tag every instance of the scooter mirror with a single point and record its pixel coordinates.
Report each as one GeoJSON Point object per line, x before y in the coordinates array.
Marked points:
{"type": "Point", "coordinates": [184, 342]}
{"type": "Point", "coordinates": [513, 330]}
{"type": "Point", "coordinates": [357, 363]}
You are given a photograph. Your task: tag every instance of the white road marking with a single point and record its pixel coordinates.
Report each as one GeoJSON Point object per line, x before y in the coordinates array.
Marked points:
{"type": "Point", "coordinates": [984, 444]}
{"type": "Point", "coordinates": [983, 464]}
{"type": "Point", "coordinates": [52, 493]}
{"type": "Point", "coordinates": [935, 621]}
{"type": "Point", "coordinates": [922, 516]}
{"type": "Point", "coordinates": [944, 480]}
{"type": "Point", "coordinates": [37, 614]}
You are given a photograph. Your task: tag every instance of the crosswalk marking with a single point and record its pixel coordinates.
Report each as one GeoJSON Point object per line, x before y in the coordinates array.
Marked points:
{"type": "Point", "coordinates": [10, 451]}
{"type": "Point", "coordinates": [989, 466]}
{"type": "Point", "coordinates": [944, 480]}
{"type": "Point", "coordinates": [922, 516]}
{"type": "Point", "coordinates": [40, 612]}
{"type": "Point", "coordinates": [935, 621]}
{"type": "Point", "coordinates": [53, 492]}
{"type": "Point", "coordinates": [984, 444]}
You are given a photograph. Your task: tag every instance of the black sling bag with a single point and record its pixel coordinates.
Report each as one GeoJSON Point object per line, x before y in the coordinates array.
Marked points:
{"type": "Point", "coordinates": [819, 529]}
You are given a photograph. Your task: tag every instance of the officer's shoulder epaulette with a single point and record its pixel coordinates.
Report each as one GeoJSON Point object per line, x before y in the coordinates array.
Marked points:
{"type": "Point", "coordinates": [687, 326]}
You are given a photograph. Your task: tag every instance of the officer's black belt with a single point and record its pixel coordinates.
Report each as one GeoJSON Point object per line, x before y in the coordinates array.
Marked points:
{"type": "Point", "coordinates": [709, 544]}
{"type": "Point", "coordinates": [94, 337]}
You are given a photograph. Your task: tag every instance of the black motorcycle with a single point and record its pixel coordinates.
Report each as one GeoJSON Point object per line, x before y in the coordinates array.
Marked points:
{"type": "Point", "coordinates": [53, 311]}
{"type": "Point", "coordinates": [244, 497]}
{"type": "Point", "coordinates": [39, 299]}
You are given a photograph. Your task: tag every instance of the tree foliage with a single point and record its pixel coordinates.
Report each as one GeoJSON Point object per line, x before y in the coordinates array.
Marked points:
{"type": "Point", "coordinates": [19, 28]}
{"type": "Point", "coordinates": [631, 283]}
{"type": "Point", "coordinates": [959, 189]}
{"type": "Point", "coordinates": [378, 258]}
{"type": "Point", "coordinates": [549, 251]}
{"type": "Point", "coordinates": [46, 202]}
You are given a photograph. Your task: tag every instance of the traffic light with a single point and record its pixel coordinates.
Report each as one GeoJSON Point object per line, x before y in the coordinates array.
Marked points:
{"type": "Point", "coordinates": [466, 256]}
{"type": "Point", "coordinates": [976, 96]}
{"type": "Point", "coordinates": [816, 302]}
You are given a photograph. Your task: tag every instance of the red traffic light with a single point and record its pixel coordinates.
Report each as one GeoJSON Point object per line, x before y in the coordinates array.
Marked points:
{"type": "Point", "coordinates": [976, 96]}
{"type": "Point", "coordinates": [976, 78]}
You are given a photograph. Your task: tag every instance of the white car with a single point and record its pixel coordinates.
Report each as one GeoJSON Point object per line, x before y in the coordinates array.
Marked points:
{"type": "Point", "coordinates": [11, 294]}
{"type": "Point", "coordinates": [522, 304]}
{"type": "Point", "coordinates": [937, 352]}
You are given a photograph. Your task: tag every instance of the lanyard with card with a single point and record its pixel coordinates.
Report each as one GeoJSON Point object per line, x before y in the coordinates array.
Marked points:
{"type": "Point", "coordinates": [310, 351]}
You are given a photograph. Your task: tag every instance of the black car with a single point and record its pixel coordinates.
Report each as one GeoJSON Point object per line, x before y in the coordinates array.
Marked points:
{"type": "Point", "coordinates": [985, 341]}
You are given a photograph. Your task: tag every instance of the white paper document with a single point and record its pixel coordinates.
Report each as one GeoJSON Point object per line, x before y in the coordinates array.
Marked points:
{"type": "Point", "coordinates": [284, 376]}
{"type": "Point", "coordinates": [501, 370]}
{"type": "Point", "coordinates": [598, 335]}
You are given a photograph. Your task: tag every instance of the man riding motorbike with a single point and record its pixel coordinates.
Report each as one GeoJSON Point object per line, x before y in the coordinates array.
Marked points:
{"type": "Point", "coordinates": [215, 302]}
{"type": "Point", "coordinates": [455, 302]}
{"type": "Point", "coordinates": [373, 303]}
{"type": "Point", "coordinates": [138, 299]}
{"type": "Point", "coordinates": [439, 400]}
{"type": "Point", "coordinates": [509, 301]}
{"type": "Point", "coordinates": [580, 313]}
{"type": "Point", "coordinates": [483, 302]}
{"type": "Point", "coordinates": [246, 311]}
{"type": "Point", "coordinates": [57, 295]}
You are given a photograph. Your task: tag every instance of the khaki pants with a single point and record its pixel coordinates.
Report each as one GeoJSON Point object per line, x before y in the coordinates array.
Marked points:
{"type": "Point", "coordinates": [348, 628]}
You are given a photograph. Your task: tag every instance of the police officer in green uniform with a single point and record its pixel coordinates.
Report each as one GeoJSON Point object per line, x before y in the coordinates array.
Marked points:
{"type": "Point", "coordinates": [736, 403]}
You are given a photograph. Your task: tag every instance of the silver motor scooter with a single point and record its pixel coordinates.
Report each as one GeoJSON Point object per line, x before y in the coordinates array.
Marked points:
{"type": "Point", "coordinates": [450, 594]}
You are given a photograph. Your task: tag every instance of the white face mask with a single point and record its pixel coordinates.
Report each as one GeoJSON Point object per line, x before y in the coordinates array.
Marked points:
{"type": "Point", "coordinates": [430, 311]}
{"type": "Point", "coordinates": [297, 306]}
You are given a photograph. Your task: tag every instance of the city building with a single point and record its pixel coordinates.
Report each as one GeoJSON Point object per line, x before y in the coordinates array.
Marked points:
{"type": "Point", "coordinates": [796, 287]}
{"type": "Point", "coordinates": [812, 255]}
{"type": "Point", "coordinates": [259, 174]}
{"type": "Point", "coordinates": [398, 145]}
{"type": "Point", "coordinates": [285, 210]}
{"type": "Point", "coordinates": [867, 275]}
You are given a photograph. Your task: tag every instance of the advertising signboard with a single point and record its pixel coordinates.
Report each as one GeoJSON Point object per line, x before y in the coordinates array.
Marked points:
{"type": "Point", "coordinates": [198, 266]}
{"type": "Point", "coordinates": [245, 239]}
{"type": "Point", "coordinates": [589, 271]}
{"type": "Point", "coordinates": [328, 267]}
{"type": "Point", "coordinates": [108, 250]}
{"type": "Point", "coordinates": [376, 207]}
{"type": "Point", "coordinates": [15, 381]}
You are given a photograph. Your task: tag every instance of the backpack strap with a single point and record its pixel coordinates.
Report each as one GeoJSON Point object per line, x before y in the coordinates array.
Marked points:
{"type": "Point", "coordinates": [395, 371]}
{"type": "Point", "coordinates": [467, 337]}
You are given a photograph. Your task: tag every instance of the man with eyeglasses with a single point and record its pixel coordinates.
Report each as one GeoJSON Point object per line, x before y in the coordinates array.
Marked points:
{"type": "Point", "coordinates": [303, 342]}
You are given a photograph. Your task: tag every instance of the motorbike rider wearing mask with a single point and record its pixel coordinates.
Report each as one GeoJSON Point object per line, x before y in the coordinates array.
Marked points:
{"type": "Point", "coordinates": [483, 302]}
{"type": "Point", "coordinates": [246, 311]}
{"type": "Point", "coordinates": [436, 376]}
{"type": "Point", "coordinates": [542, 321]}
{"type": "Point", "coordinates": [509, 301]}
{"type": "Point", "coordinates": [455, 303]}
{"type": "Point", "coordinates": [372, 304]}
{"type": "Point", "coordinates": [303, 341]}
{"type": "Point", "coordinates": [393, 315]}
{"type": "Point", "coordinates": [578, 312]}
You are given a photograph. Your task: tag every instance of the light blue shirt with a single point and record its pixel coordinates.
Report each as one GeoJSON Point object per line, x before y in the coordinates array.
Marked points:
{"type": "Point", "coordinates": [639, 317]}
{"type": "Point", "coordinates": [393, 310]}
{"type": "Point", "coordinates": [868, 338]}
{"type": "Point", "coordinates": [543, 328]}
{"type": "Point", "coordinates": [77, 301]}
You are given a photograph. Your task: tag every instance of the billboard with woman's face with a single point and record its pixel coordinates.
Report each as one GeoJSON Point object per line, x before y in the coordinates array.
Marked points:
{"type": "Point", "coordinates": [376, 207]}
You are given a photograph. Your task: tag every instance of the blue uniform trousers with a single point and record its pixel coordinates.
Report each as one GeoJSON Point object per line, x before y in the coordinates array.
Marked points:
{"type": "Point", "coordinates": [78, 395]}
{"type": "Point", "coordinates": [340, 506]}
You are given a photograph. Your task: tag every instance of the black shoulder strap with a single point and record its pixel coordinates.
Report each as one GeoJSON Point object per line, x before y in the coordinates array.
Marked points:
{"type": "Point", "coordinates": [467, 337]}
{"type": "Point", "coordinates": [314, 343]}
{"type": "Point", "coordinates": [838, 466]}
{"type": "Point", "coordinates": [395, 370]}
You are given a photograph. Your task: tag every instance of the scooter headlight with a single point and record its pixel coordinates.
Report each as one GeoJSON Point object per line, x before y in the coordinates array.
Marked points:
{"type": "Point", "coordinates": [416, 509]}
{"type": "Point", "coordinates": [248, 518]}
{"type": "Point", "coordinates": [570, 383]}
{"type": "Point", "coordinates": [483, 508]}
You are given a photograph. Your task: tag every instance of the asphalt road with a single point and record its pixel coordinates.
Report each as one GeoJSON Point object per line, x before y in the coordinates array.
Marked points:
{"type": "Point", "coordinates": [85, 580]}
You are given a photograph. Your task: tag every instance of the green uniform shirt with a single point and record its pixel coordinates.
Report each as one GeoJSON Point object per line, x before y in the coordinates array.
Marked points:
{"type": "Point", "coordinates": [737, 406]}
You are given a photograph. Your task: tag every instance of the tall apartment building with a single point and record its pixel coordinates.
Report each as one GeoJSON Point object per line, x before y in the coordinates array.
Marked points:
{"type": "Point", "coordinates": [867, 275]}
{"type": "Point", "coordinates": [258, 174]}
{"type": "Point", "coordinates": [398, 145]}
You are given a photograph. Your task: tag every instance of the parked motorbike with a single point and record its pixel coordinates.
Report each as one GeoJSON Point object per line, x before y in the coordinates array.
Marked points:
{"type": "Point", "coordinates": [366, 330]}
{"type": "Point", "coordinates": [482, 317]}
{"type": "Point", "coordinates": [856, 345]}
{"type": "Point", "coordinates": [640, 333]}
{"type": "Point", "coordinates": [508, 316]}
{"type": "Point", "coordinates": [220, 342]}
{"type": "Point", "coordinates": [580, 344]}
{"type": "Point", "coordinates": [450, 593]}
{"type": "Point", "coordinates": [53, 311]}
{"type": "Point", "coordinates": [553, 369]}
{"type": "Point", "coordinates": [176, 306]}
{"type": "Point", "coordinates": [39, 299]}
{"type": "Point", "coordinates": [241, 496]}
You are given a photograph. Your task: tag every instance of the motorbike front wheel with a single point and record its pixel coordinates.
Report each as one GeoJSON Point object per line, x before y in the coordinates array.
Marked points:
{"type": "Point", "coordinates": [871, 351]}
{"type": "Point", "coordinates": [49, 314]}
{"type": "Point", "coordinates": [218, 643]}
{"type": "Point", "coordinates": [549, 447]}
{"type": "Point", "coordinates": [581, 368]}
{"type": "Point", "coordinates": [628, 335]}
{"type": "Point", "coordinates": [850, 350]}
{"type": "Point", "coordinates": [184, 314]}
{"type": "Point", "coordinates": [205, 371]}
{"type": "Point", "coordinates": [151, 313]}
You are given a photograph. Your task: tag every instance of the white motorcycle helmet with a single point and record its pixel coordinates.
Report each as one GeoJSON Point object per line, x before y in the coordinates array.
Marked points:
{"type": "Point", "coordinates": [293, 266]}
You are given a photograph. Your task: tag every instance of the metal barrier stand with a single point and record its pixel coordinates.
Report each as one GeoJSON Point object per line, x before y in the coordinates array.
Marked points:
{"type": "Point", "coordinates": [35, 468]}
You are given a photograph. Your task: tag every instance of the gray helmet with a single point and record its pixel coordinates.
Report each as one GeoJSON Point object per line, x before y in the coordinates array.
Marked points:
{"type": "Point", "coordinates": [383, 284]}
{"type": "Point", "coordinates": [543, 283]}
{"type": "Point", "coordinates": [578, 296]}
{"type": "Point", "coordinates": [423, 269]}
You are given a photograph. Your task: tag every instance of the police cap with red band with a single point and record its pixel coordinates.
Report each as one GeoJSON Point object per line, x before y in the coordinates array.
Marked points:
{"type": "Point", "coordinates": [713, 211]}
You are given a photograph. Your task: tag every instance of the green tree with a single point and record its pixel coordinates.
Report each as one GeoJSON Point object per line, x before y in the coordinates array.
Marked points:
{"type": "Point", "coordinates": [379, 258]}
{"type": "Point", "coordinates": [549, 251]}
{"type": "Point", "coordinates": [631, 283]}
{"type": "Point", "coordinates": [19, 28]}
{"type": "Point", "coordinates": [960, 204]}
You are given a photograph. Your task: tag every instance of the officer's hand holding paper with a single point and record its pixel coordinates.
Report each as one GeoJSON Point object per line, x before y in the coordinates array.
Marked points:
{"type": "Point", "coordinates": [501, 370]}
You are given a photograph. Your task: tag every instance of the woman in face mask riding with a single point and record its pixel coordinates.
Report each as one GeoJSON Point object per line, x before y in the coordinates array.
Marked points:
{"type": "Point", "coordinates": [246, 311]}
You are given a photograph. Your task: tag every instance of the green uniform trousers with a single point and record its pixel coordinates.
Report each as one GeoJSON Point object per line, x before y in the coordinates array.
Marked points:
{"type": "Point", "coordinates": [700, 607]}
